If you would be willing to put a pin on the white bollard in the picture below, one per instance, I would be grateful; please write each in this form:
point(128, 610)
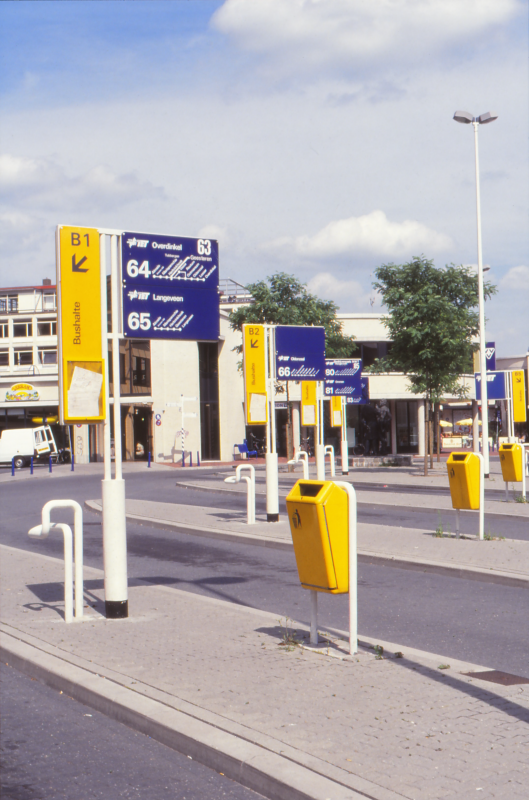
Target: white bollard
point(329, 450)
point(302, 456)
point(250, 483)
point(272, 487)
point(42, 531)
point(115, 549)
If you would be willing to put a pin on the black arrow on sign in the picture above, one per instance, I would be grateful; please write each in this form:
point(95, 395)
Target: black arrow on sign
point(77, 267)
point(254, 344)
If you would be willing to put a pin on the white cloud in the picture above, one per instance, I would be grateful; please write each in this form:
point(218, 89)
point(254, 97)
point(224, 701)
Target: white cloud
point(347, 294)
point(215, 232)
point(371, 233)
point(311, 34)
point(516, 278)
point(42, 182)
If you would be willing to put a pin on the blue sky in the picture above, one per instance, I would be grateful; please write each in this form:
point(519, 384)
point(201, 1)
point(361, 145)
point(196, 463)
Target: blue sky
point(310, 136)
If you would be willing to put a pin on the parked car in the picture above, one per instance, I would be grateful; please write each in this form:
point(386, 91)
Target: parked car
point(21, 444)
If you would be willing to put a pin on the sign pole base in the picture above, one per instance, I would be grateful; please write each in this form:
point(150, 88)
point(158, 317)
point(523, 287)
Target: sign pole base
point(115, 549)
point(272, 488)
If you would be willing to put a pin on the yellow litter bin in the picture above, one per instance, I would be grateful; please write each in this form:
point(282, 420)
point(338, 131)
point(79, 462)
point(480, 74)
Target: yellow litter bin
point(318, 517)
point(463, 477)
point(511, 460)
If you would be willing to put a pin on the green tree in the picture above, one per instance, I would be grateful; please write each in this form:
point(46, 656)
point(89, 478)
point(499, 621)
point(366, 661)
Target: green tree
point(282, 299)
point(432, 324)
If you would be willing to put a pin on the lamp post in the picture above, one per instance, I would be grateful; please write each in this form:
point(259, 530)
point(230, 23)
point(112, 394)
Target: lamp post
point(466, 118)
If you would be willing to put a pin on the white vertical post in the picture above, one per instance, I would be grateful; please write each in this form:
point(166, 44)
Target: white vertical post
point(319, 449)
point(481, 496)
point(104, 346)
point(114, 520)
point(353, 566)
point(481, 298)
point(525, 453)
point(344, 445)
point(313, 617)
point(457, 523)
point(271, 462)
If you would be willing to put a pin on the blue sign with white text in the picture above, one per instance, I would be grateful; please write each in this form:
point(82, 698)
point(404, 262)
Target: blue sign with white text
point(300, 353)
point(169, 287)
point(496, 386)
point(343, 378)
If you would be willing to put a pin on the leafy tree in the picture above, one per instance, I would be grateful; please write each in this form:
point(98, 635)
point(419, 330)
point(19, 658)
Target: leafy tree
point(282, 299)
point(433, 323)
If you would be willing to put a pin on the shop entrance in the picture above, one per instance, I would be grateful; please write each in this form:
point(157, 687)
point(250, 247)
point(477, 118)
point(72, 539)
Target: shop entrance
point(142, 432)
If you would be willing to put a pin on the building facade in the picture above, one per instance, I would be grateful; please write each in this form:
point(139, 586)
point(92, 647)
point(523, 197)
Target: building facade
point(187, 397)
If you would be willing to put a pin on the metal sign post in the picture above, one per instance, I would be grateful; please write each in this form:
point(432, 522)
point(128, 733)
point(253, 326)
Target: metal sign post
point(271, 459)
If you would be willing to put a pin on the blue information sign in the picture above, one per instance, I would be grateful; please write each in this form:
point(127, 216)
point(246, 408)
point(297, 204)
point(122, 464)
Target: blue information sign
point(490, 355)
point(300, 353)
point(343, 378)
point(170, 287)
point(496, 386)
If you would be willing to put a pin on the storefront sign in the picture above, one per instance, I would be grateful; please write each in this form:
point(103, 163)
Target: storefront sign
point(300, 353)
point(21, 393)
point(79, 315)
point(170, 287)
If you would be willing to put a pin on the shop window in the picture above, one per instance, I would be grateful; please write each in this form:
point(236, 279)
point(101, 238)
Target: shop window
point(4, 329)
point(47, 357)
point(4, 358)
point(22, 329)
point(46, 328)
point(141, 371)
point(23, 357)
point(208, 370)
point(407, 426)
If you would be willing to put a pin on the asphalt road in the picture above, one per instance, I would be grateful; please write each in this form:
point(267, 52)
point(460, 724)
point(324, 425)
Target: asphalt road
point(54, 748)
point(483, 623)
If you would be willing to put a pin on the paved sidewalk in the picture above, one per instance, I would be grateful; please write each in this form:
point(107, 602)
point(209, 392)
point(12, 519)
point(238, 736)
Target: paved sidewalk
point(208, 678)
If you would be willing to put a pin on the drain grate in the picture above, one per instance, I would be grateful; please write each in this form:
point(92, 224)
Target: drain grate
point(495, 676)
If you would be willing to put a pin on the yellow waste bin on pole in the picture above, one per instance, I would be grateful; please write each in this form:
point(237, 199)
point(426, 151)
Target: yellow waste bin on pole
point(467, 485)
point(322, 517)
point(511, 460)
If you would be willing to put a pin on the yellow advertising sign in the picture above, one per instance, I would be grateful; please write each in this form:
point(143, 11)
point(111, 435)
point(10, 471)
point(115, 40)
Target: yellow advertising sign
point(309, 403)
point(254, 361)
point(336, 412)
point(81, 366)
point(519, 407)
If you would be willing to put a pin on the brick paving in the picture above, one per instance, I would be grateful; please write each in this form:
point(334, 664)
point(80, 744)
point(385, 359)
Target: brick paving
point(403, 724)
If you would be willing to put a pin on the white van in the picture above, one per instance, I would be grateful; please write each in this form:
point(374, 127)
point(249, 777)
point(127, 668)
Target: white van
point(22, 443)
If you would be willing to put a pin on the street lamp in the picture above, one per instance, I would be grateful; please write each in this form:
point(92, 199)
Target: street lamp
point(466, 118)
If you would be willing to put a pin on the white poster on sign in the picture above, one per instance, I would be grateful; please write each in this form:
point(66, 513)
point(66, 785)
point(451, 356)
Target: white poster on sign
point(309, 415)
point(83, 394)
point(257, 408)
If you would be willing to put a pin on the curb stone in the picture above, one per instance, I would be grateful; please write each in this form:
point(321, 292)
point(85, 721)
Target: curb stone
point(364, 557)
point(275, 776)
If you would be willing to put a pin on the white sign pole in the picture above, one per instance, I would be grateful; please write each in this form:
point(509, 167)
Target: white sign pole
point(271, 461)
point(319, 449)
point(114, 520)
point(344, 443)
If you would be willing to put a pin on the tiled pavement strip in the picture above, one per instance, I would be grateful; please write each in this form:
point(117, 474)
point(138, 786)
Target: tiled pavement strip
point(388, 728)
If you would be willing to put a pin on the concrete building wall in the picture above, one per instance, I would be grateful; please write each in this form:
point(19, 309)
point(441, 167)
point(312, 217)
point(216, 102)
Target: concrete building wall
point(174, 371)
point(364, 327)
point(231, 390)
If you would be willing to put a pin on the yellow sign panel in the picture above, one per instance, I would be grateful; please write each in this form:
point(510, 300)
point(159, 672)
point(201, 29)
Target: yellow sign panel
point(336, 412)
point(518, 396)
point(309, 403)
point(81, 366)
point(254, 361)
